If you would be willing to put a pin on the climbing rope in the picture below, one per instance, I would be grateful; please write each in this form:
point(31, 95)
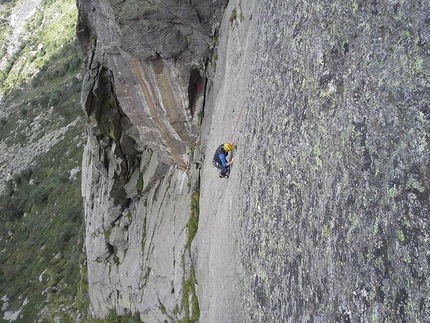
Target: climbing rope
point(237, 122)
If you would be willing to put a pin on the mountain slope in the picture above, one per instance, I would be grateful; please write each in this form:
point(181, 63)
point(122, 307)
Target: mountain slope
point(41, 140)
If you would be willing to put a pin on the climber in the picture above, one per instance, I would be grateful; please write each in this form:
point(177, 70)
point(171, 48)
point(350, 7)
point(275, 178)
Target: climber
point(220, 160)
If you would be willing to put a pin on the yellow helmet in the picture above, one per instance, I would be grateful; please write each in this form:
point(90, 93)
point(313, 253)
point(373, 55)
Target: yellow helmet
point(227, 146)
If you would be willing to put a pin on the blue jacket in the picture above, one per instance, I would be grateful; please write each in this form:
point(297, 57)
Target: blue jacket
point(220, 156)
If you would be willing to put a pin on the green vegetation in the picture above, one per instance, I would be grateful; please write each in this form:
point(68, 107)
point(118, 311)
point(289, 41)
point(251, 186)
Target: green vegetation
point(42, 217)
point(113, 317)
point(107, 234)
point(154, 198)
point(325, 231)
point(5, 12)
point(401, 235)
point(45, 33)
point(193, 222)
point(43, 267)
point(233, 16)
point(236, 14)
point(144, 234)
point(139, 185)
point(354, 8)
point(317, 154)
point(190, 301)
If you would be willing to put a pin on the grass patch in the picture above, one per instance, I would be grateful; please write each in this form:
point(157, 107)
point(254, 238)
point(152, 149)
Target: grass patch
point(139, 184)
point(113, 317)
point(236, 14)
point(144, 234)
point(190, 301)
point(107, 234)
point(233, 16)
point(193, 222)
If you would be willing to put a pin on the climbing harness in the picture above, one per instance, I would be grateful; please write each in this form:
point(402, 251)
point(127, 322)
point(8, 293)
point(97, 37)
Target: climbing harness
point(216, 165)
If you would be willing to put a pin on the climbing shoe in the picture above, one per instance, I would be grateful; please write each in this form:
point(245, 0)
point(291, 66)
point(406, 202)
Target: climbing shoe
point(223, 176)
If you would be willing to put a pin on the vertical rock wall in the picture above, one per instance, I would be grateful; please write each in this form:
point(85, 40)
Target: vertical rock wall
point(331, 180)
point(143, 94)
point(327, 202)
point(325, 214)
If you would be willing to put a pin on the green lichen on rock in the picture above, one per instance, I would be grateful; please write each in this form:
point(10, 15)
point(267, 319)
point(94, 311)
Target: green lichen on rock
point(139, 184)
point(351, 97)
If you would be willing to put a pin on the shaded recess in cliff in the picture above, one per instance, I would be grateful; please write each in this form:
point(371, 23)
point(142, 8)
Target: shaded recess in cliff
point(196, 89)
point(109, 125)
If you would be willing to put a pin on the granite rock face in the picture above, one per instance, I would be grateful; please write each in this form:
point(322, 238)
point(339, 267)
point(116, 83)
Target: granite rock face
point(325, 214)
point(328, 202)
point(143, 95)
point(154, 55)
